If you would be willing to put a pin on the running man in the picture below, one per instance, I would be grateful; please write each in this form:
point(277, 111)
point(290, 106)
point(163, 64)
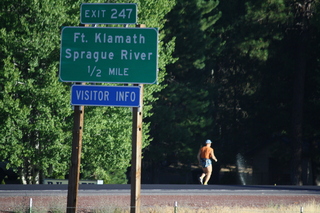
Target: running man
point(205, 154)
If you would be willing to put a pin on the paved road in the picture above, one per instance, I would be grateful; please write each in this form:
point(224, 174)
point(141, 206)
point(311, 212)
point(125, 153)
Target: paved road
point(159, 189)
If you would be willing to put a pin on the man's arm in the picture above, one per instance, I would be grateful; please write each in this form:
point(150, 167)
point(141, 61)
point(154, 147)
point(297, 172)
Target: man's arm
point(213, 156)
point(198, 156)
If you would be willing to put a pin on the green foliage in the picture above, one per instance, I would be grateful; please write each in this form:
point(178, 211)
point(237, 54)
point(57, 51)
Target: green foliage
point(34, 106)
point(226, 72)
point(107, 131)
point(106, 143)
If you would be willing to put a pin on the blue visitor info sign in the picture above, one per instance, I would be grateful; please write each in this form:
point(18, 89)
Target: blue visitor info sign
point(98, 95)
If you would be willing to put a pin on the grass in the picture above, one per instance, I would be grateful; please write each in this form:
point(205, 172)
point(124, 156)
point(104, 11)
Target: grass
point(55, 207)
point(310, 207)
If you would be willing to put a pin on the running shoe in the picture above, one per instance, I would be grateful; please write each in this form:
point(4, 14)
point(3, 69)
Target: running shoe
point(201, 180)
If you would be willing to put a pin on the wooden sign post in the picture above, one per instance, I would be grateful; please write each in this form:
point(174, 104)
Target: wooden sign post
point(74, 174)
point(78, 39)
point(136, 156)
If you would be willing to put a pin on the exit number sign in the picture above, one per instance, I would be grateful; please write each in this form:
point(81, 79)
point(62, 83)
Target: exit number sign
point(108, 13)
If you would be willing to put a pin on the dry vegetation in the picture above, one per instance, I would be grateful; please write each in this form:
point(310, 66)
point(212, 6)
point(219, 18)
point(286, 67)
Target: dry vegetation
point(57, 207)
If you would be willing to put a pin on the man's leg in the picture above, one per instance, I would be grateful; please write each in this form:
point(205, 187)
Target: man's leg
point(208, 174)
point(204, 169)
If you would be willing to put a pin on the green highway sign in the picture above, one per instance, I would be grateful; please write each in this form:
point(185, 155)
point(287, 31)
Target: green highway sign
point(108, 13)
point(109, 55)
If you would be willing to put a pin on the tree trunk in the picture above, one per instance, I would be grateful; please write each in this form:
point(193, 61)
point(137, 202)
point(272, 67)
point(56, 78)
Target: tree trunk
point(297, 111)
point(304, 13)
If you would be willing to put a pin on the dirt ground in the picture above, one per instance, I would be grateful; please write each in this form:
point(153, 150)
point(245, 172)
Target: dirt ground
point(89, 203)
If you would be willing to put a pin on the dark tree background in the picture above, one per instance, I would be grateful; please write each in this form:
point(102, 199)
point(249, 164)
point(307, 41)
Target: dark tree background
point(243, 73)
point(246, 77)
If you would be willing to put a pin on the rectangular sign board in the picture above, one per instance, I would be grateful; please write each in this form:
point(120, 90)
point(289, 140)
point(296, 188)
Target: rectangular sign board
point(62, 181)
point(109, 55)
point(108, 13)
point(94, 95)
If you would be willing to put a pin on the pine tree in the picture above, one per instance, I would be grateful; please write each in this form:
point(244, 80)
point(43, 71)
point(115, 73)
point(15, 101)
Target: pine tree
point(34, 105)
point(265, 50)
point(180, 120)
